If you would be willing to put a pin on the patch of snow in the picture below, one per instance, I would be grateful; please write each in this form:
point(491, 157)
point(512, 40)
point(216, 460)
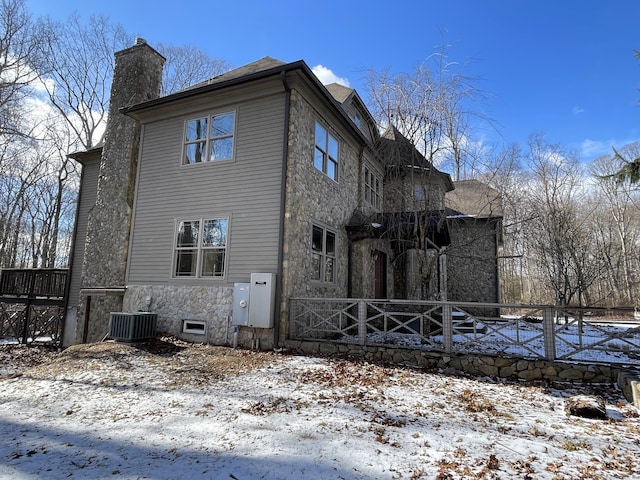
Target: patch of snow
point(134, 416)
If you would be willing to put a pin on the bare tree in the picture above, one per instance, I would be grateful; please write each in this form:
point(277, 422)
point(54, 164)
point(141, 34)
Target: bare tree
point(436, 107)
point(186, 66)
point(560, 233)
point(619, 201)
point(20, 38)
point(433, 110)
point(78, 71)
point(504, 171)
point(20, 176)
point(80, 66)
point(413, 188)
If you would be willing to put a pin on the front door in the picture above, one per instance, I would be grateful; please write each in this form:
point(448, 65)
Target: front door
point(380, 274)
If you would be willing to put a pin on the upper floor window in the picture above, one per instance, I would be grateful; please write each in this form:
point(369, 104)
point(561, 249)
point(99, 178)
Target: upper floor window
point(323, 254)
point(357, 120)
point(209, 139)
point(326, 153)
point(372, 188)
point(419, 192)
point(200, 248)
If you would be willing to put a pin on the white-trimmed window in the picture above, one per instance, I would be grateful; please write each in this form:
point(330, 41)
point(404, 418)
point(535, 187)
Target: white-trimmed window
point(326, 152)
point(200, 248)
point(209, 139)
point(323, 254)
point(372, 188)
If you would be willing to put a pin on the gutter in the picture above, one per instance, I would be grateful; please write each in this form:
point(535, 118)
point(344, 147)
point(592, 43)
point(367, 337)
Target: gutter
point(281, 70)
point(216, 85)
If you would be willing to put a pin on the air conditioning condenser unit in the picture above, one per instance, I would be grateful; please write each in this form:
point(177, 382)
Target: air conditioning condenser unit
point(132, 327)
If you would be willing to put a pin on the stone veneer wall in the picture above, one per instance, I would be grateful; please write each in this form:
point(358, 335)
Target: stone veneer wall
point(175, 303)
point(137, 77)
point(399, 194)
point(511, 368)
point(312, 196)
point(363, 266)
point(472, 273)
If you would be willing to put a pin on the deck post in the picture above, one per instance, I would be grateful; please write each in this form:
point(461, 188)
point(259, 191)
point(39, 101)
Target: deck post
point(362, 322)
point(549, 334)
point(447, 328)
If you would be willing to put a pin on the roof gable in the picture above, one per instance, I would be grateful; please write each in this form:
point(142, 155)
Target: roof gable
point(340, 92)
point(398, 152)
point(474, 199)
point(265, 63)
point(355, 109)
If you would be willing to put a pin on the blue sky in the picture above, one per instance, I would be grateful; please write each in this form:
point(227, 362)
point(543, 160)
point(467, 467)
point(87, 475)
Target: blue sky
point(565, 68)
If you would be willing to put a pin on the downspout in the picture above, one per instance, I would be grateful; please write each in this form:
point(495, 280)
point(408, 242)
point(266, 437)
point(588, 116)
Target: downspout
point(349, 267)
point(496, 236)
point(283, 201)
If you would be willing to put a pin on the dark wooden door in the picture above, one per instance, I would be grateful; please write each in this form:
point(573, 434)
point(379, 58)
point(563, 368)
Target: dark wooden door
point(380, 274)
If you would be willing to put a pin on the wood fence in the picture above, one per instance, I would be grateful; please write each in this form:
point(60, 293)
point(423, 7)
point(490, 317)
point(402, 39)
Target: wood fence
point(542, 332)
point(32, 305)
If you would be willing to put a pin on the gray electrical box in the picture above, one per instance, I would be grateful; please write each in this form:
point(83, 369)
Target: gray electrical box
point(240, 310)
point(262, 299)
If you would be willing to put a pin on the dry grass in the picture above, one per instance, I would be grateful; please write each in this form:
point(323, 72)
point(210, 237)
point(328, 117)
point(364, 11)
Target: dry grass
point(197, 364)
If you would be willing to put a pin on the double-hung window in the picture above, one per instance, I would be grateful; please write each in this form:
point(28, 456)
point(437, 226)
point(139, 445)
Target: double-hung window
point(372, 188)
point(200, 248)
point(209, 139)
point(326, 152)
point(323, 254)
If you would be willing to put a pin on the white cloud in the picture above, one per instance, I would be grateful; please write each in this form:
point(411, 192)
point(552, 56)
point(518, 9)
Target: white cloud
point(326, 76)
point(577, 110)
point(593, 148)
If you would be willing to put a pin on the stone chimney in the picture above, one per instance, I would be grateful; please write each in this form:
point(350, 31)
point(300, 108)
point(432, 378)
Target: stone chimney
point(137, 77)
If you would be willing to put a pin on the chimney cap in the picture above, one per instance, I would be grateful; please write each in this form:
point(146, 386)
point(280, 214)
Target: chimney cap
point(140, 41)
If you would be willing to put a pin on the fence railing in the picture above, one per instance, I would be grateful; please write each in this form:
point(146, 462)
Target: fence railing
point(32, 304)
point(33, 283)
point(527, 331)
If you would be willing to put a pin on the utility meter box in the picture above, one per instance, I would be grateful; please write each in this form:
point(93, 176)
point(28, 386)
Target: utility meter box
point(240, 309)
point(262, 299)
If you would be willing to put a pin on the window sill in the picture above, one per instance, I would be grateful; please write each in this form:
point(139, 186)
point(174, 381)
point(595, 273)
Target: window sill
point(210, 162)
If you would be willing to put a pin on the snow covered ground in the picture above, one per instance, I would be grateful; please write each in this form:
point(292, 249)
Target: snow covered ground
point(178, 411)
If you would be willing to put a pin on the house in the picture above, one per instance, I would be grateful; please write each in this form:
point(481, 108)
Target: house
point(261, 170)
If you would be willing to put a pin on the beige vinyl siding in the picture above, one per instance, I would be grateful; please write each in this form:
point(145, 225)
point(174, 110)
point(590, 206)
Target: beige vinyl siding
point(86, 200)
point(246, 190)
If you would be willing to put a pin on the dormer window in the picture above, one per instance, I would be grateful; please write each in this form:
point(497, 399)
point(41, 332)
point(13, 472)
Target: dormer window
point(357, 120)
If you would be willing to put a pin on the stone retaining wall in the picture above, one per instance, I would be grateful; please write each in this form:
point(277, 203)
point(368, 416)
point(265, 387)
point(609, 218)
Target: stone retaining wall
point(510, 368)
